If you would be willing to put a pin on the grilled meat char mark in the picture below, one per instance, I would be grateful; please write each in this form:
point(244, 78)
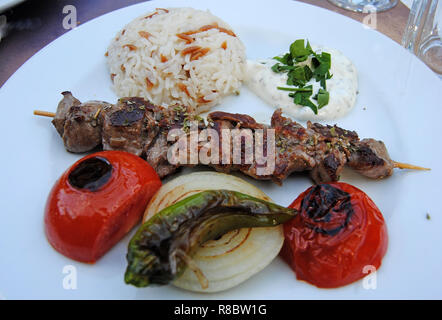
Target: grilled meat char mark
point(137, 126)
point(240, 120)
point(123, 125)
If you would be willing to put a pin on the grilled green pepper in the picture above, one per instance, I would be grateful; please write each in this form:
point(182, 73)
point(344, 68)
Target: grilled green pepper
point(162, 248)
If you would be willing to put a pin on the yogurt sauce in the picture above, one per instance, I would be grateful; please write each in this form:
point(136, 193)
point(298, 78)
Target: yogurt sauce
point(343, 87)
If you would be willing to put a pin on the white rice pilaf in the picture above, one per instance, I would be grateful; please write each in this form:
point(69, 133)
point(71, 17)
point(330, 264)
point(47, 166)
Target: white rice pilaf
point(177, 56)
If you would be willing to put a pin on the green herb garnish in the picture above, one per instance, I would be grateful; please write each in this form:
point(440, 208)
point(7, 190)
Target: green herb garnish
point(299, 75)
point(322, 97)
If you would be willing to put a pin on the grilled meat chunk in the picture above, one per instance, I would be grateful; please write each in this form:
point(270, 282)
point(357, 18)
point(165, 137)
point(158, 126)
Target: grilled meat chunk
point(157, 146)
point(157, 156)
point(329, 168)
point(232, 159)
point(82, 128)
point(123, 126)
point(63, 107)
point(295, 146)
point(371, 159)
point(332, 144)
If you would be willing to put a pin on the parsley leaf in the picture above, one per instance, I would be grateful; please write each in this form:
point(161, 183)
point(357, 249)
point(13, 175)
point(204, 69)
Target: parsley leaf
point(322, 97)
point(286, 59)
point(300, 52)
point(281, 68)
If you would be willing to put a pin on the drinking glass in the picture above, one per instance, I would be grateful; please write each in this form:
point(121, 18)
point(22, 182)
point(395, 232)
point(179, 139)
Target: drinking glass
point(365, 5)
point(423, 33)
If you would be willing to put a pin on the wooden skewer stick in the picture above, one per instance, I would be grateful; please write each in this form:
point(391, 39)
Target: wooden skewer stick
point(400, 165)
point(44, 113)
point(97, 113)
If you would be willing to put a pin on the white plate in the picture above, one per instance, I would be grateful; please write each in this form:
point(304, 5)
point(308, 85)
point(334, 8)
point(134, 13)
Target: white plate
point(398, 103)
point(408, 3)
point(6, 4)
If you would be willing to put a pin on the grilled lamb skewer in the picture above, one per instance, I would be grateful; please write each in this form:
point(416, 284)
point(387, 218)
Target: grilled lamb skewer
point(321, 150)
point(137, 126)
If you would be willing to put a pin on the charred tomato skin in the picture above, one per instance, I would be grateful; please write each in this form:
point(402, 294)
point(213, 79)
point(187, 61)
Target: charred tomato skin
point(356, 240)
point(84, 223)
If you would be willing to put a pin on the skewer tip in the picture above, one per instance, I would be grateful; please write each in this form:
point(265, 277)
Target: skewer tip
point(44, 113)
point(401, 165)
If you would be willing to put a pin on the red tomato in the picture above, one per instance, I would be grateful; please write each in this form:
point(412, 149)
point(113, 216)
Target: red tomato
point(338, 232)
point(96, 202)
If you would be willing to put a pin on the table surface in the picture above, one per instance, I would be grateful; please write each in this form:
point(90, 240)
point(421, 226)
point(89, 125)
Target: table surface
point(35, 23)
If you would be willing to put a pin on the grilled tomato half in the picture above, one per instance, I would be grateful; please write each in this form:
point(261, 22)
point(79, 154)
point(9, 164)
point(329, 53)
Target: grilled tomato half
point(96, 202)
point(338, 237)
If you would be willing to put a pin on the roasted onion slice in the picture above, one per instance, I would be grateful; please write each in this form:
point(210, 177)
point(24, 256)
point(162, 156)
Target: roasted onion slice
point(236, 255)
